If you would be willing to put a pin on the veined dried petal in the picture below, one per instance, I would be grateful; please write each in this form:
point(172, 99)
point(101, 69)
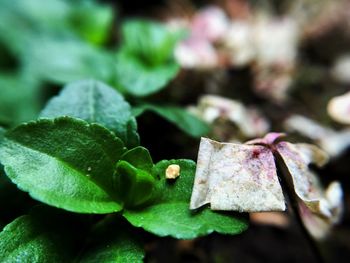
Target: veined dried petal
point(325, 206)
point(236, 177)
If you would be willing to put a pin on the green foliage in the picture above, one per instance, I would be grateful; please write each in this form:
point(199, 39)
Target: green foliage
point(134, 185)
point(169, 214)
point(138, 79)
point(48, 235)
point(64, 162)
point(140, 158)
point(82, 154)
point(95, 102)
point(2, 132)
point(145, 61)
point(92, 21)
point(19, 100)
point(42, 236)
point(32, 18)
point(75, 158)
point(183, 119)
point(113, 242)
point(65, 60)
point(56, 40)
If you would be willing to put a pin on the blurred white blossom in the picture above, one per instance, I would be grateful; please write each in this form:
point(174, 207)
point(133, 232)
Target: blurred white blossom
point(248, 120)
point(333, 142)
point(339, 108)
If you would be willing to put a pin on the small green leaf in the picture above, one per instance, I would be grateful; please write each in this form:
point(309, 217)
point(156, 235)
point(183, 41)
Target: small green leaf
point(183, 119)
point(140, 158)
point(39, 237)
point(170, 215)
point(95, 102)
point(149, 41)
point(92, 21)
point(136, 78)
point(64, 162)
point(113, 242)
point(145, 62)
point(135, 186)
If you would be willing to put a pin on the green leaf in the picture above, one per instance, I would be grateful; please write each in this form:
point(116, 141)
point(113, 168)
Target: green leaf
point(135, 186)
point(92, 21)
point(145, 62)
point(30, 18)
point(64, 162)
point(95, 102)
point(140, 158)
point(138, 79)
point(62, 60)
point(183, 119)
point(149, 41)
point(86, 20)
point(2, 132)
point(113, 242)
point(19, 99)
point(39, 237)
point(170, 215)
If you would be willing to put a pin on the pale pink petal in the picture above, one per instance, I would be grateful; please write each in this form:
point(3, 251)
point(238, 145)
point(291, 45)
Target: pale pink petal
point(196, 53)
point(268, 140)
point(210, 23)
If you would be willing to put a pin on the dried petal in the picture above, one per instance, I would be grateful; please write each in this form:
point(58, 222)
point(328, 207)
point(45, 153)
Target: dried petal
point(297, 157)
point(172, 171)
point(236, 177)
point(332, 205)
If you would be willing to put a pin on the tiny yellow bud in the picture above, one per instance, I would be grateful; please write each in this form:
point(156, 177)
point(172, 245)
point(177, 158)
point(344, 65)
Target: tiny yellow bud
point(172, 172)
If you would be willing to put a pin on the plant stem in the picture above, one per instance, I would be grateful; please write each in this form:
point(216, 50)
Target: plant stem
point(287, 188)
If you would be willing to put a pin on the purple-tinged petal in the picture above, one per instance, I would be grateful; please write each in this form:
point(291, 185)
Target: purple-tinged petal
point(320, 209)
point(269, 139)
